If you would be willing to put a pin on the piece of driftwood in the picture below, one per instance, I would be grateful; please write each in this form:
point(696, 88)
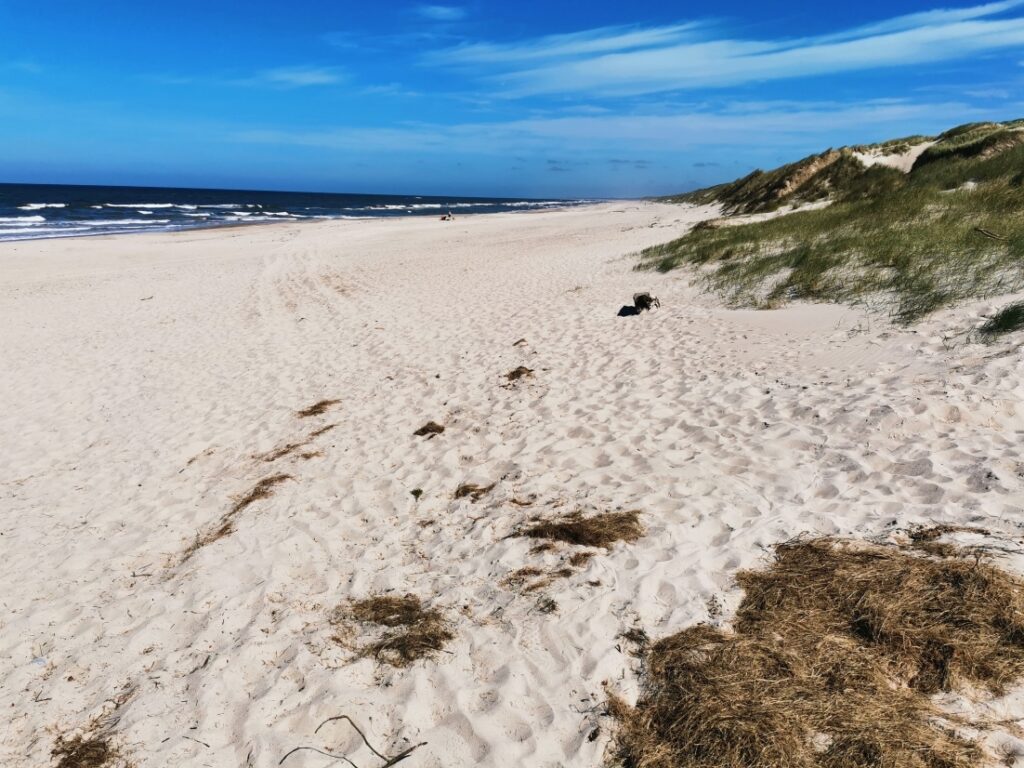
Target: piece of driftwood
point(388, 761)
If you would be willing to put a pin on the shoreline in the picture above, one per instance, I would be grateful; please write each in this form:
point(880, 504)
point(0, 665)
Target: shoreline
point(184, 226)
point(179, 537)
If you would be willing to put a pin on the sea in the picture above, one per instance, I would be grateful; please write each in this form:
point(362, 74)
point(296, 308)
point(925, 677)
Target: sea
point(34, 211)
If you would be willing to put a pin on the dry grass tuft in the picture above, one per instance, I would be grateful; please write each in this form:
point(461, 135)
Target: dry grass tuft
point(516, 579)
point(317, 408)
point(406, 630)
point(94, 751)
point(226, 525)
point(836, 650)
point(598, 531)
point(519, 373)
point(579, 559)
point(429, 430)
point(474, 492)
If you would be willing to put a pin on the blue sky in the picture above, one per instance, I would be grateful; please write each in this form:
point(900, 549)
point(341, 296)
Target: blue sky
point(528, 98)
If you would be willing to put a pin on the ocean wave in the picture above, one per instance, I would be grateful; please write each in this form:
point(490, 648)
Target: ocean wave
point(28, 220)
point(40, 206)
point(26, 233)
point(140, 206)
point(121, 222)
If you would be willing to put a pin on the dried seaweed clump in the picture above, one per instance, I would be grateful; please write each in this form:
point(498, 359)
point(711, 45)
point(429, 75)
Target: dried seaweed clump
point(836, 649)
point(598, 531)
point(473, 491)
point(93, 751)
point(405, 631)
point(429, 430)
point(317, 408)
point(519, 373)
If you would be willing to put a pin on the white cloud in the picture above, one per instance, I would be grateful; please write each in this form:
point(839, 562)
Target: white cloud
point(602, 40)
point(776, 124)
point(441, 12)
point(300, 76)
point(624, 62)
point(926, 19)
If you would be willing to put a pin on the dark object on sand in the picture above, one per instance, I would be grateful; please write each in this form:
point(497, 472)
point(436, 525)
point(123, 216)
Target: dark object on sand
point(473, 491)
point(642, 302)
point(429, 429)
point(519, 373)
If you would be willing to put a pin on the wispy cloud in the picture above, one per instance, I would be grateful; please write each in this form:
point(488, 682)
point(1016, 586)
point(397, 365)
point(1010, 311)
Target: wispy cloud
point(441, 12)
point(777, 124)
point(594, 41)
point(300, 76)
point(625, 62)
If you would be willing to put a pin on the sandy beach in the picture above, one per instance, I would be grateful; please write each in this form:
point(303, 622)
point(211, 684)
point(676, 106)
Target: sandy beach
point(151, 382)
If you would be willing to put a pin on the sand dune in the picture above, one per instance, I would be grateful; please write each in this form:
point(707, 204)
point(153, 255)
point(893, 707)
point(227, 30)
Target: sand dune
point(151, 383)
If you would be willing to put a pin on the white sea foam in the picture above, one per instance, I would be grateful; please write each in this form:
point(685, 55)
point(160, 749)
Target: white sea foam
point(26, 233)
point(40, 206)
point(122, 222)
point(140, 206)
point(26, 220)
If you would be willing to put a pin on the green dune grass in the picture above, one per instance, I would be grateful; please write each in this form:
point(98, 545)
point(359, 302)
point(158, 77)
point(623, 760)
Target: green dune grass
point(951, 230)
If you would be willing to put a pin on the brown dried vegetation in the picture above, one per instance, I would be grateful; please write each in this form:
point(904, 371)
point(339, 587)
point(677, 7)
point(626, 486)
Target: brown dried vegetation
point(519, 373)
point(602, 530)
point(406, 631)
point(837, 647)
point(317, 408)
point(474, 492)
point(226, 525)
point(93, 751)
point(429, 430)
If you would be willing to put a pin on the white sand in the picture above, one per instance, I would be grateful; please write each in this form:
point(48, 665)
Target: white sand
point(901, 161)
point(143, 374)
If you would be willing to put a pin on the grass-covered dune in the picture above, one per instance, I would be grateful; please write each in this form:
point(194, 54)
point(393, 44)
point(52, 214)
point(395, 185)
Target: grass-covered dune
point(950, 229)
